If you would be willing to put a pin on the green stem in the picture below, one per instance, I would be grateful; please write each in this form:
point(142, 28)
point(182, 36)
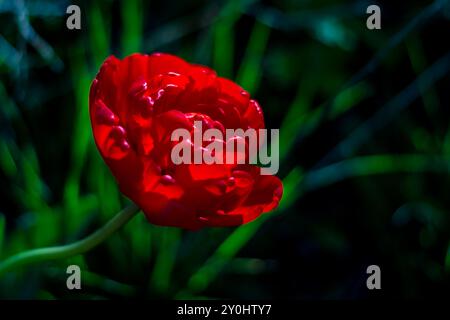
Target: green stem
point(72, 249)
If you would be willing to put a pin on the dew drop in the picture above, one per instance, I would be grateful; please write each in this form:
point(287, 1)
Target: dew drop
point(138, 88)
point(245, 93)
point(167, 179)
point(116, 145)
point(159, 94)
point(118, 132)
point(104, 115)
point(124, 145)
point(146, 106)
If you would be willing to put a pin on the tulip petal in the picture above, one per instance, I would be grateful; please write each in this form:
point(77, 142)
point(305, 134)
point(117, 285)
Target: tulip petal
point(135, 105)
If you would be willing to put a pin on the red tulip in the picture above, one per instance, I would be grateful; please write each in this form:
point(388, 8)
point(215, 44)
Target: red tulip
point(137, 102)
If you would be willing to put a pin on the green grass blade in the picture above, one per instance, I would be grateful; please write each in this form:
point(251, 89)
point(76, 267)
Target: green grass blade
point(374, 165)
point(249, 74)
point(81, 140)
point(132, 25)
point(99, 33)
point(237, 239)
point(167, 247)
point(224, 48)
point(418, 62)
point(7, 163)
point(223, 28)
point(363, 166)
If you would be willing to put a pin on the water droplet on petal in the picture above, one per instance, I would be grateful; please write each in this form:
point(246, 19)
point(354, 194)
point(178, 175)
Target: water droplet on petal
point(171, 85)
point(104, 115)
point(118, 132)
point(159, 94)
point(146, 106)
point(167, 179)
point(124, 145)
point(138, 88)
point(116, 146)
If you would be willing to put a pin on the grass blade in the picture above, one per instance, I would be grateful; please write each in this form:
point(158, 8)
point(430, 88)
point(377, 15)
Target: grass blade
point(250, 72)
point(132, 22)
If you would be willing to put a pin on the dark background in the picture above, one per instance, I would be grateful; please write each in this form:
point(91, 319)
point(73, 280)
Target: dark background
point(365, 146)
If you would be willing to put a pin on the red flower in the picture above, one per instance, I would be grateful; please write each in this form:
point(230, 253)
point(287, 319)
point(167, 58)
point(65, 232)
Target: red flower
point(137, 102)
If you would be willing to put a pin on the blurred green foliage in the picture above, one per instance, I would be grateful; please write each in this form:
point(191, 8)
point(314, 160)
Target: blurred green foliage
point(365, 147)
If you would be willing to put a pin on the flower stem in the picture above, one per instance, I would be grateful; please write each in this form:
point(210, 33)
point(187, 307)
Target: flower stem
point(72, 249)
